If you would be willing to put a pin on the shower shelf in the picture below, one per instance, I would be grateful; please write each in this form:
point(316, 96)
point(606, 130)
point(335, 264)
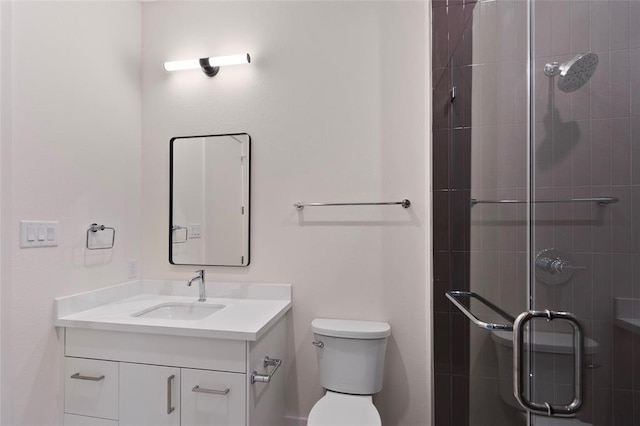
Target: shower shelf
point(452, 296)
point(602, 201)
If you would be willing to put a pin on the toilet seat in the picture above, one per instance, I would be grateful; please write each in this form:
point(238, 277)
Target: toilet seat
point(339, 409)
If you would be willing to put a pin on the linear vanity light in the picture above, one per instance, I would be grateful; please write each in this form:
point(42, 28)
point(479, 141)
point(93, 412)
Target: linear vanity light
point(210, 66)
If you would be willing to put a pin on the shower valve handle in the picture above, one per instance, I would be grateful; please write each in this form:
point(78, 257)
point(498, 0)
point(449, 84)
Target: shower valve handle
point(556, 266)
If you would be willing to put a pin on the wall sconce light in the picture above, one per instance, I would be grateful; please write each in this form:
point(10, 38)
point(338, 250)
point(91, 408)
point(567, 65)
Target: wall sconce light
point(210, 66)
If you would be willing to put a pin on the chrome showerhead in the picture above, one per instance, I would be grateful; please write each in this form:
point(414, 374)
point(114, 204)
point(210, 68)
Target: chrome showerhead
point(574, 73)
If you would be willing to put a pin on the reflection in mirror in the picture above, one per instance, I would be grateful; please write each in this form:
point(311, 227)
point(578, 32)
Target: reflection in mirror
point(209, 200)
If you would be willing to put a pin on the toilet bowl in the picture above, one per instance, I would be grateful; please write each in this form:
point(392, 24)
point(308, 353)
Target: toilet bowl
point(553, 364)
point(339, 409)
point(351, 362)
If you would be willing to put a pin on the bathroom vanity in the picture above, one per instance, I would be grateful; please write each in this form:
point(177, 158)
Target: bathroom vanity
point(147, 353)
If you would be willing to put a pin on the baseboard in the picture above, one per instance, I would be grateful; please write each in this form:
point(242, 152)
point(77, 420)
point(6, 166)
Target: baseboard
point(294, 421)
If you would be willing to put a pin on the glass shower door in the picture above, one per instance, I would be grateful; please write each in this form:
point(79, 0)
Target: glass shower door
point(537, 209)
point(584, 213)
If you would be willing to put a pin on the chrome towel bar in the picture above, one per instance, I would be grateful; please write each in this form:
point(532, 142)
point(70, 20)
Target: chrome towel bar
point(451, 295)
point(600, 200)
point(266, 378)
point(404, 203)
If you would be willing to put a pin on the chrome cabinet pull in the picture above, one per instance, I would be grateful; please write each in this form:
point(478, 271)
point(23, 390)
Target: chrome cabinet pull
point(91, 378)
point(197, 388)
point(546, 408)
point(266, 378)
point(169, 398)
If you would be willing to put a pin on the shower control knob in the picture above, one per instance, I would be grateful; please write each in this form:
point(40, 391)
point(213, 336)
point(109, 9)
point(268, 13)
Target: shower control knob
point(554, 266)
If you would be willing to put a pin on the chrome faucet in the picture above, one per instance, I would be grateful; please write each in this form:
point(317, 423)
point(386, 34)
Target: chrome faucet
point(202, 296)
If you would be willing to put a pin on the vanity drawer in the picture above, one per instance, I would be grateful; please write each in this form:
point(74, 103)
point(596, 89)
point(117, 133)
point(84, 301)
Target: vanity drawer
point(91, 388)
point(145, 348)
point(212, 398)
point(73, 420)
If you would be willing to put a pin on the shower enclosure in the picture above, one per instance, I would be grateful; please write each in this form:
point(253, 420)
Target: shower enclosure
point(536, 195)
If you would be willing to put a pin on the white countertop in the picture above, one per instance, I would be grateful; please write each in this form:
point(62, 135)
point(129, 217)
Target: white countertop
point(249, 309)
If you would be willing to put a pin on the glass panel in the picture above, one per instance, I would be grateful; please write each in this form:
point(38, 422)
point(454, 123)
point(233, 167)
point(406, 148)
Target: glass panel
point(480, 152)
point(580, 138)
point(586, 74)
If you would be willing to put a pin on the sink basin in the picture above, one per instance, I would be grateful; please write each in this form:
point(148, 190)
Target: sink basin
point(179, 311)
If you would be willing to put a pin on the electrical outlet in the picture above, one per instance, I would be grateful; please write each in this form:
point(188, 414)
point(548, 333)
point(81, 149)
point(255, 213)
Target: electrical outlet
point(194, 230)
point(132, 269)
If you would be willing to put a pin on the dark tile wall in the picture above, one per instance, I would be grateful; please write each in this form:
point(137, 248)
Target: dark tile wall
point(587, 144)
point(451, 184)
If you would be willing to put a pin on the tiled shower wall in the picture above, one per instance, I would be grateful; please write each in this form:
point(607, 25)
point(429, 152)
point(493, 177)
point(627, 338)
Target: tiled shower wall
point(587, 144)
point(451, 179)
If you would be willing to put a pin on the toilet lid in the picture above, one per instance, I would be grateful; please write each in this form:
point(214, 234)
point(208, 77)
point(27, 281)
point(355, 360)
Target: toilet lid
point(337, 409)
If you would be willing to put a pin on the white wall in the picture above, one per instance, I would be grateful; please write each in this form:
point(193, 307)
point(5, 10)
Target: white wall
point(334, 101)
point(5, 187)
point(74, 151)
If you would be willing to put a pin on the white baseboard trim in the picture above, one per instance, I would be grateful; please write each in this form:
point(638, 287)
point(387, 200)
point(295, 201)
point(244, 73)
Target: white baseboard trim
point(295, 421)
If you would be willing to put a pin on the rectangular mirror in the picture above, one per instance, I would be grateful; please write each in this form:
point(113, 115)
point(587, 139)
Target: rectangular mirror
point(209, 200)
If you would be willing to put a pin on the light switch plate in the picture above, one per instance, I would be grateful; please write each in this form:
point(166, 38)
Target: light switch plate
point(38, 233)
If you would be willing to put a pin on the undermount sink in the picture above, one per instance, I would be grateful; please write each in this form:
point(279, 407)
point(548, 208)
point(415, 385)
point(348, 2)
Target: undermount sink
point(179, 311)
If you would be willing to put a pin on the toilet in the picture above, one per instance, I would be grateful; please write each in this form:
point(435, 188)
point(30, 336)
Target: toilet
point(554, 365)
point(351, 363)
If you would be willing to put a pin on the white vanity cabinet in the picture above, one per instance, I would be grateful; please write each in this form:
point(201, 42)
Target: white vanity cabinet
point(91, 390)
point(131, 378)
point(212, 397)
point(149, 395)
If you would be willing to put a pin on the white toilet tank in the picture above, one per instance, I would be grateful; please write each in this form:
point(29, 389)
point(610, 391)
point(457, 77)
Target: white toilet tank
point(351, 354)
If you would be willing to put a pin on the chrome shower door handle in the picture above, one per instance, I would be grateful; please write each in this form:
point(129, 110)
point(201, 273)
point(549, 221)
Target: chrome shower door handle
point(547, 408)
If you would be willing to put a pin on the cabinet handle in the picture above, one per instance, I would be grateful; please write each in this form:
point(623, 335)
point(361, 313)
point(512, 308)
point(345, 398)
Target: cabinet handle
point(197, 388)
point(91, 378)
point(169, 398)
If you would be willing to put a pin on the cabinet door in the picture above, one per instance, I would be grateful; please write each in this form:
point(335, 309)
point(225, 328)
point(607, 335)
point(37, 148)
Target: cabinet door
point(149, 395)
point(73, 420)
point(213, 398)
point(91, 388)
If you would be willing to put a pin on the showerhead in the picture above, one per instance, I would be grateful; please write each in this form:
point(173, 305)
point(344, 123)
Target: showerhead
point(574, 73)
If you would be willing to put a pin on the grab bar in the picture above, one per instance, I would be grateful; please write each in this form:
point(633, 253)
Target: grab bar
point(404, 203)
point(451, 295)
point(602, 201)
